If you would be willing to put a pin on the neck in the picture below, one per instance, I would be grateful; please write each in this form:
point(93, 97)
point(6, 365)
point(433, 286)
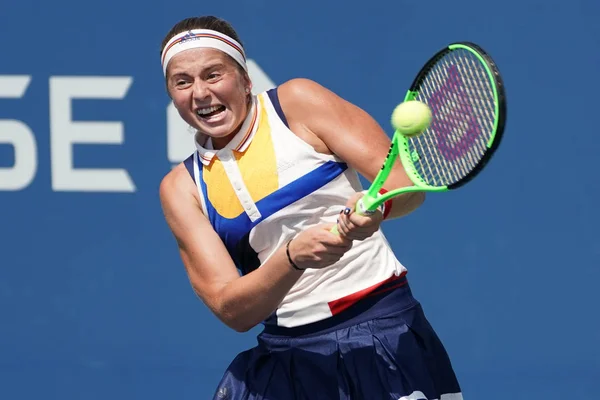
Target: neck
point(219, 143)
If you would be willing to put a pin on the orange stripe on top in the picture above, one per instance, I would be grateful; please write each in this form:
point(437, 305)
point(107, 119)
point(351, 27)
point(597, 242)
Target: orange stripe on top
point(249, 132)
point(244, 139)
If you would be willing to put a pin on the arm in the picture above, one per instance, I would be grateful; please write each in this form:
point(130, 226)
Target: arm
point(240, 302)
point(322, 118)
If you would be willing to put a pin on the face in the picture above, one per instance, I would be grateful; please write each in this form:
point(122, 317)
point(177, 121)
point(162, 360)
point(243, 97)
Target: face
point(209, 91)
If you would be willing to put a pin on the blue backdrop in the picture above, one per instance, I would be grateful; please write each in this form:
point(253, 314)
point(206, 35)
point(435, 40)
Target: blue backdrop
point(94, 301)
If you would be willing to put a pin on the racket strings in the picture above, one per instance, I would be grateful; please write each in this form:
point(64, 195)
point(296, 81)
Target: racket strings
point(454, 121)
point(461, 97)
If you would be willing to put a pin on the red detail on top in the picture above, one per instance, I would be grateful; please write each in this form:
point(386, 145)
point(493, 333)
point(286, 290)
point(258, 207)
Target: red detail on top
point(341, 304)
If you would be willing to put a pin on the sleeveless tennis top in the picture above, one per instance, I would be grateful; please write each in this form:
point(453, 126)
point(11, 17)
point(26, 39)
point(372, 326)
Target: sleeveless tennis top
point(268, 185)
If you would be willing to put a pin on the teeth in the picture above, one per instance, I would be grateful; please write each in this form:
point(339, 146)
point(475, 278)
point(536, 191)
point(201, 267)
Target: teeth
point(207, 110)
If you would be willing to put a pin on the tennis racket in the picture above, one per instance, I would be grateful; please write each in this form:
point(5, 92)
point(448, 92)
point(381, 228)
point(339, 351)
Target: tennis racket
point(463, 88)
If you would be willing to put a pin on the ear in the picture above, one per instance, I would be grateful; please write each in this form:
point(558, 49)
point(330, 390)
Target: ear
point(247, 83)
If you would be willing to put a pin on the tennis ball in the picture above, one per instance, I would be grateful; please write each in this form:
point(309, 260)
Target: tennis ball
point(411, 118)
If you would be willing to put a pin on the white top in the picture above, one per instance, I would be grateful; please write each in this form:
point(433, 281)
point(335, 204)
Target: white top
point(266, 186)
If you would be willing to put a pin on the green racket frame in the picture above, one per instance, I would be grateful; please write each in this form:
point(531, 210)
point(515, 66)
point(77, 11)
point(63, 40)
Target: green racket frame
point(400, 143)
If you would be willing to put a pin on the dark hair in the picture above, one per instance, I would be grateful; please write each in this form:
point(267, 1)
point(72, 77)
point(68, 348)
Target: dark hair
point(205, 22)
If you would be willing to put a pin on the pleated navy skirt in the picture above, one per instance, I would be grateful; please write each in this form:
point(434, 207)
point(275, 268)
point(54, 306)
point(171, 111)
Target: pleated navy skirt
point(383, 347)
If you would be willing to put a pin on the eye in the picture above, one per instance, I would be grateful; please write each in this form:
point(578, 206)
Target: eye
point(213, 76)
point(181, 83)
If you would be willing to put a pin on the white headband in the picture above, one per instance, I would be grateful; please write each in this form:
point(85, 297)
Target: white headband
point(197, 38)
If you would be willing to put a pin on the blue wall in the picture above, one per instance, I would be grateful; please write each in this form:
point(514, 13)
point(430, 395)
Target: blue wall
point(94, 302)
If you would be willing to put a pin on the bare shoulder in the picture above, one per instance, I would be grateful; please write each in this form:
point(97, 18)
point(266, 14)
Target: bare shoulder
point(301, 93)
point(306, 100)
point(298, 85)
point(177, 186)
point(308, 107)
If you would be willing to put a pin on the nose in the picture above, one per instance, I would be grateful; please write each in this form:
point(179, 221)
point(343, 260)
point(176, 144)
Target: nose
point(200, 90)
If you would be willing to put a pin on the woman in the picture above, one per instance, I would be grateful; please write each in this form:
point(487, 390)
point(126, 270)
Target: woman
point(252, 211)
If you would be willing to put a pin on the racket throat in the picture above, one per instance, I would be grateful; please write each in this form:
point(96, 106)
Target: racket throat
point(362, 208)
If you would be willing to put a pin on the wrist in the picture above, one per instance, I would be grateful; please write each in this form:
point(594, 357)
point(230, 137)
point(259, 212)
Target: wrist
point(289, 257)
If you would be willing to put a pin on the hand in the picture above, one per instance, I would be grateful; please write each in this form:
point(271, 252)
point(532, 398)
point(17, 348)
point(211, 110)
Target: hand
point(317, 247)
point(354, 226)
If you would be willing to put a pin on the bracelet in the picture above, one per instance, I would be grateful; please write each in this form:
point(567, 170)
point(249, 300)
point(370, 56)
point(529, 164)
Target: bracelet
point(287, 252)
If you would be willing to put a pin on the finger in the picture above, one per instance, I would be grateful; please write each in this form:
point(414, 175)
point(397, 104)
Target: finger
point(351, 203)
point(341, 223)
point(353, 219)
point(352, 230)
point(346, 228)
point(337, 252)
point(366, 219)
point(339, 241)
point(358, 221)
point(329, 257)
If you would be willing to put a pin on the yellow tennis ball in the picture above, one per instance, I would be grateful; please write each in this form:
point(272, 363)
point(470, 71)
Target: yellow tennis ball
point(411, 118)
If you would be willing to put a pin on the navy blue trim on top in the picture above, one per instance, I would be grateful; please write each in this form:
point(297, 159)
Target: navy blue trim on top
point(189, 165)
point(274, 97)
point(248, 257)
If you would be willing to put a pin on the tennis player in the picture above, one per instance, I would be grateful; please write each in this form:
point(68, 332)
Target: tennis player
point(251, 211)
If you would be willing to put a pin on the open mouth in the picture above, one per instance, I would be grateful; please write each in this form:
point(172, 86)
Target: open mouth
point(209, 112)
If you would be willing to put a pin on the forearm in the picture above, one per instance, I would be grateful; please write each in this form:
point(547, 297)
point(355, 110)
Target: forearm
point(405, 204)
point(250, 299)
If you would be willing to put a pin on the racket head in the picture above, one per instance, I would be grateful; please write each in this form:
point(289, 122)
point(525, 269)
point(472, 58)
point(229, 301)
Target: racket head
point(463, 87)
